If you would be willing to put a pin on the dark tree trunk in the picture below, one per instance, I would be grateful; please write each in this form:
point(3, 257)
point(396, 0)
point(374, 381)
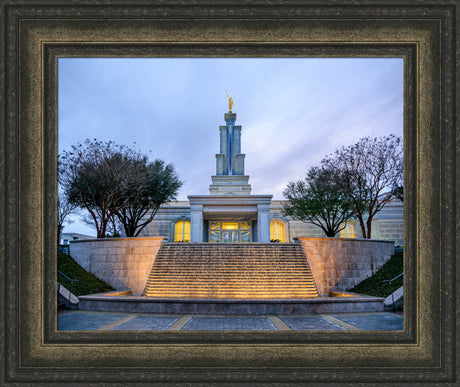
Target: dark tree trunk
point(363, 226)
point(59, 231)
point(369, 227)
point(130, 228)
point(330, 233)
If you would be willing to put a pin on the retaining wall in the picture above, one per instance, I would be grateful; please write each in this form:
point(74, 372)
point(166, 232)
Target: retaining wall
point(342, 263)
point(124, 263)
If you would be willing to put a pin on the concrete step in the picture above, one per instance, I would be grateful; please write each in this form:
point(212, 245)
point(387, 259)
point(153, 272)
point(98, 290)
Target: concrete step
point(248, 290)
point(174, 285)
point(226, 272)
point(245, 295)
point(253, 270)
point(236, 282)
point(275, 293)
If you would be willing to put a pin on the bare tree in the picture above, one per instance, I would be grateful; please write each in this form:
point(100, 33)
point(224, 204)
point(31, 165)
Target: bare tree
point(368, 173)
point(115, 182)
point(114, 228)
point(318, 200)
point(64, 210)
point(95, 176)
point(151, 185)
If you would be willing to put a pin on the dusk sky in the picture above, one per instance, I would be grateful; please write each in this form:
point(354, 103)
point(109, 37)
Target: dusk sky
point(293, 112)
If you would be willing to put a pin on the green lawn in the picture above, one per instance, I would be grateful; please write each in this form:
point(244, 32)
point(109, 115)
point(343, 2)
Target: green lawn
point(87, 283)
point(374, 286)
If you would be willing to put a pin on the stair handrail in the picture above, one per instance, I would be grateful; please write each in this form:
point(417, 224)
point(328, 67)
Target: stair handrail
point(395, 278)
point(392, 293)
point(72, 280)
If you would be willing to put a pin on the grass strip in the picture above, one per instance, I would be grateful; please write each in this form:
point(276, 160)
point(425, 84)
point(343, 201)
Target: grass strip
point(374, 286)
point(87, 282)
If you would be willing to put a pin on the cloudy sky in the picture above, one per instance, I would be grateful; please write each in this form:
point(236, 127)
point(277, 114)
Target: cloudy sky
point(293, 112)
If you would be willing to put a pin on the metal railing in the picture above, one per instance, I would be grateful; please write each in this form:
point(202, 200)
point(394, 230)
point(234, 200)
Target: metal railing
point(390, 281)
point(72, 280)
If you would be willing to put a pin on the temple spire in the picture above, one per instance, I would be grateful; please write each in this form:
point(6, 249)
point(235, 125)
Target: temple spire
point(230, 178)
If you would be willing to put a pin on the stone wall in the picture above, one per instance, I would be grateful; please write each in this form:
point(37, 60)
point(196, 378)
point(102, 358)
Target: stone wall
point(388, 224)
point(341, 263)
point(164, 221)
point(124, 263)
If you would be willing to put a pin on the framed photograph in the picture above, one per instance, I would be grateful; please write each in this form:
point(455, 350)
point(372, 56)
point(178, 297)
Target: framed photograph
point(224, 257)
point(40, 35)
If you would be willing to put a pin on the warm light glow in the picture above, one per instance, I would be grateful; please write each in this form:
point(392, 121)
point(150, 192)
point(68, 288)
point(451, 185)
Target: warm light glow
point(349, 231)
point(247, 272)
point(277, 230)
point(214, 225)
point(341, 294)
point(230, 226)
point(237, 232)
point(245, 226)
point(182, 231)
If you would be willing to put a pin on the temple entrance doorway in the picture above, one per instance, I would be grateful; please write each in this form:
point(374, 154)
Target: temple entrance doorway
point(230, 236)
point(229, 232)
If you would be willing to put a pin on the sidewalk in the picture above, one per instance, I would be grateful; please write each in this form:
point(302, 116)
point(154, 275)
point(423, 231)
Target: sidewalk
point(111, 321)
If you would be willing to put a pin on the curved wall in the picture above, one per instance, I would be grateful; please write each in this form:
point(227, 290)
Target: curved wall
point(337, 264)
point(124, 263)
point(342, 263)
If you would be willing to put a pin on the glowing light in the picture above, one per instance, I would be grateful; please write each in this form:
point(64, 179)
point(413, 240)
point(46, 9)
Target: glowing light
point(182, 231)
point(277, 231)
point(349, 231)
point(230, 226)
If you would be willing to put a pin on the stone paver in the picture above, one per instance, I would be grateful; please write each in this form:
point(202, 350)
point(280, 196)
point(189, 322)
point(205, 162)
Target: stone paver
point(373, 322)
point(147, 323)
point(341, 323)
point(229, 324)
point(86, 320)
point(310, 323)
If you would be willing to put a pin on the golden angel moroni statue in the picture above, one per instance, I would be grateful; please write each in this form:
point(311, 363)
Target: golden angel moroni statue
point(230, 102)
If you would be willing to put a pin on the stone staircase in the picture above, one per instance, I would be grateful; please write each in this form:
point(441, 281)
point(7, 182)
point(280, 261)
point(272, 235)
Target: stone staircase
point(230, 271)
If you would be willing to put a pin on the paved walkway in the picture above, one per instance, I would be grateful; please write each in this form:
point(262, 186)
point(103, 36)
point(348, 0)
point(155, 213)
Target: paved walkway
point(112, 321)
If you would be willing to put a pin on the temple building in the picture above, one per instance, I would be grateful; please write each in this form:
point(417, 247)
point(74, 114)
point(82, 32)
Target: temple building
point(230, 214)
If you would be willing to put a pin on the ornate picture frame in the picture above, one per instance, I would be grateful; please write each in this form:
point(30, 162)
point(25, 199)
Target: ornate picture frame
point(37, 33)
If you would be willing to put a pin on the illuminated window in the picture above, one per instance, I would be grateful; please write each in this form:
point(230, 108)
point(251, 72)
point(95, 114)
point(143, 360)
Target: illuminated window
point(245, 236)
point(214, 225)
point(182, 231)
point(230, 225)
point(214, 236)
point(226, 232)
point(277, 231)
point(349, 231)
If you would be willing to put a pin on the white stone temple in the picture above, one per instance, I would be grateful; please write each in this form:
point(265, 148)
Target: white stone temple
point(230, 214)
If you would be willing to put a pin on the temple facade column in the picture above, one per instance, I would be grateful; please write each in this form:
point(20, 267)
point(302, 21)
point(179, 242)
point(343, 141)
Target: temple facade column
point(263, 223)
point(237, 156)
point(196, 223)
point(222, 157)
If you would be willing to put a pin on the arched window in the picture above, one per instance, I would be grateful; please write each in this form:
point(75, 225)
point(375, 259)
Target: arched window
point(277, 230)
point(182, 231)
point(349, 231)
